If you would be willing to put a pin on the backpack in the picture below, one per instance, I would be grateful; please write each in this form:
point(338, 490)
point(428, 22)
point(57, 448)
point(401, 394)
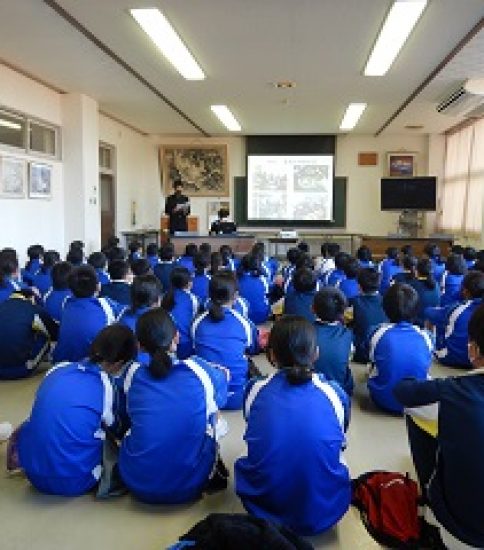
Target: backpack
point(388, 504)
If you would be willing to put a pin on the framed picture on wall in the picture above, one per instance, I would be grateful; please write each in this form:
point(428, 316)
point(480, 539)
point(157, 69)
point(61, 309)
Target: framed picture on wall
point(212, 210)
point(203, 169)
point(402, 164)
point(40, 181)
point(12, 177)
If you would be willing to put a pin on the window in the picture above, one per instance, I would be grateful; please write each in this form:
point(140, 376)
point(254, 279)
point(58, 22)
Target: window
point(42, 139)
point(12, 130)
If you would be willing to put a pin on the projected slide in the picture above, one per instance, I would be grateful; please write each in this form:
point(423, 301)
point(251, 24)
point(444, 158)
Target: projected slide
point(290, 187)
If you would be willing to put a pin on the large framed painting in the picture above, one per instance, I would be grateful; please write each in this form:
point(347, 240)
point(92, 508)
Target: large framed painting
point(402, 165)
point(12, 177)
point(203, 169)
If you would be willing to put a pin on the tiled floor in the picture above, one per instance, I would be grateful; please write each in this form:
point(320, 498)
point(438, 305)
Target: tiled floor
point(29, 520)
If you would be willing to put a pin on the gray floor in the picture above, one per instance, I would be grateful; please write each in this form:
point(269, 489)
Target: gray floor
point(30, 520)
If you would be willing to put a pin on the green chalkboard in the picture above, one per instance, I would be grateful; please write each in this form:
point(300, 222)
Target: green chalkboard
point(240, 208)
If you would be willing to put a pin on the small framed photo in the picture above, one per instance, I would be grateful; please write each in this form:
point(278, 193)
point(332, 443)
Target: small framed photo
point(40, 181)
point(12, 177)
point(402, 165)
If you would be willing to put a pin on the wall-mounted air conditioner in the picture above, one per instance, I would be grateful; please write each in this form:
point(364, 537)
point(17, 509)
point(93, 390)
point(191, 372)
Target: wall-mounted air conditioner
point(463, 101)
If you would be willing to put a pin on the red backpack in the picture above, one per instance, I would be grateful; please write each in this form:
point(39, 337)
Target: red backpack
point(388, 504)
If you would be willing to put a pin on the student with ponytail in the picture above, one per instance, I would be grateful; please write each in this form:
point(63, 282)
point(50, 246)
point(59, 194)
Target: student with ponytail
point(170, 455)
point(201, 277)
point(254, 287)
point(427, 289)
point(293, 473)
point(223, 336)
point(183, 306)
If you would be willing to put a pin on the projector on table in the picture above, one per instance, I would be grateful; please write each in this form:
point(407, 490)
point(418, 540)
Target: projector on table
point(288, 234)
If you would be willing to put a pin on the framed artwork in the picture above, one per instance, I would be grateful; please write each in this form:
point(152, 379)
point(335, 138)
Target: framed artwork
point(402, 164)
point(202, 169)
point(12, 177)
point(368, 159)
point(213, 207)
point(40, 181)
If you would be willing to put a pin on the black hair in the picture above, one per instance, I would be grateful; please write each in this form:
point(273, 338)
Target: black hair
point(8, 264)
point(83, 281)
point(392, 254)
point(167, 251)
point(401, 303)
point(303, 247)
point(259, 249)
point(116, 253)
point(216, 262)
point(455, 264)
point(98, 260)
point(330, 249)
point(51, 257)
point(470, 253)
point(152, 249)
point(409, 263)
point(369, 279)
point(177, 183)
point(113, 344)
point(432, 251)
point(205, 248)
point(304, 260)
point(226, 253)
point(424, 271)
point(76, 244)
point(200, 263)
point(75, 256)
point(113, 241)
point(140, 267)
point(364, 254)
point(118, 269)
point(293, 344)
point(191, 249)
point(60, 275)
point(180, 278)
point(407, 250)
point(474, 284)
point(134, 246)
point(145, 292)
point(351, 268)
point(340, 260)
point(304, 280)
point(457, 249)
point(475, 328)
point(250, 264)
point(329, 304)
point(479, 265)
point(221, 290)
point(34, 252)
point(292, 255)
point(223, 213)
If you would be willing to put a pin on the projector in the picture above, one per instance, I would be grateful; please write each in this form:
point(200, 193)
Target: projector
point(288, 234)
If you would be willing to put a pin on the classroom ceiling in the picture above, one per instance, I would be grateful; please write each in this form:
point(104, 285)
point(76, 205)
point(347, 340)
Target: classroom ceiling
point(243, 46)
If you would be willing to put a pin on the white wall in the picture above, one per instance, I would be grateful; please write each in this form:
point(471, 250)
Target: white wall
point(27, 221)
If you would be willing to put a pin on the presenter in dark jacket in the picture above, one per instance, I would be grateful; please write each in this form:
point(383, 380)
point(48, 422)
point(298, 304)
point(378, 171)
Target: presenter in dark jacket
point(177, 207)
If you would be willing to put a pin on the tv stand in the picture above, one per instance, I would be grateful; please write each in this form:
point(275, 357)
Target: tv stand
point(409, 222)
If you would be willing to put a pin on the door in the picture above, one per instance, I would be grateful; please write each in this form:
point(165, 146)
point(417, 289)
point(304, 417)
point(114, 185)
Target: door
point(107, 207)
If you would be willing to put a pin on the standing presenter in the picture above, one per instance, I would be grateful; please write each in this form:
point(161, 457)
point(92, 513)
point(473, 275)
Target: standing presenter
point(177, 207)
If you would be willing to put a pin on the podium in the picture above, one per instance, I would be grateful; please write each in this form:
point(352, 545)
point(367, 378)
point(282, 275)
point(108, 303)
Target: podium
point(165, 230)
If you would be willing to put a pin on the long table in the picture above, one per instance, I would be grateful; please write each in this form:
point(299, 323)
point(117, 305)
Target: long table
point(240, 243)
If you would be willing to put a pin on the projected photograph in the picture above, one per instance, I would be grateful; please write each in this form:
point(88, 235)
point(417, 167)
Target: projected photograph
point(313, 207)
point(265, 181)
point(269, 207)
point(310, 178)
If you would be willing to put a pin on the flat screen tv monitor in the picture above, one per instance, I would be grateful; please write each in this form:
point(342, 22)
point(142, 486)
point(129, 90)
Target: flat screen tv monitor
point(417, 193)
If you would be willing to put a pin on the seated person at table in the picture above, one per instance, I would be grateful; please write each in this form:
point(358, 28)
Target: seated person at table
point(119, 289)
point(300, 300)
point(60, 446)
point(451, 322)
point(367, 313)
point(56, 297)
point(42, 280)
point(223, 336)
point(334, 339)
point(26, 331)
point(165, 266)
point(455, 270)
point(349, 285)
point(99, 261)
point(398, 349)
point(84, 316)
point(253, 286)
point(449, 462)
point(222, 225)
point(293, 472)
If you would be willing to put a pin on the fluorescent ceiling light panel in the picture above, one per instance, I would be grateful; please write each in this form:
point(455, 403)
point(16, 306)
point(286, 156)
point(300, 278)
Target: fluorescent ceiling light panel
point(8, 124)
point(226, 117)
point(400, 21)
point(352, 115)
point(158, 28)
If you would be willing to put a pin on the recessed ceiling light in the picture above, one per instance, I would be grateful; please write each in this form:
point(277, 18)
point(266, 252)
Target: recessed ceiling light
point(159, 29)
point(284, 84)
point(226, 117)
point(414, 127)
point(352, 115)
point(8, 124)
point(398, 25)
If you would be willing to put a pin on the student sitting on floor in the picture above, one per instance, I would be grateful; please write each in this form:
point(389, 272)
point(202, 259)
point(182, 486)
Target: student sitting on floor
point(141, 267)
point(292, 256)
point(408, 272)
point(300, 300)
point(333, 277)
point(42, 280)
point(303, 261)
point(145, 295)
point(60, 446)
point(293, 473)
point(152, 255)
point(398, 349)
point(363, 255)
point(367, 313)
point(254, 287)
point(35, 254)
point(135, 251)
point(183, 306)
point(227, 257)
point(9, 274)
point(451, 322)
point(269, 265)
point(201, 278)
point(334, 339)
point(75, 255)
point(223, 336)
point(56, 297)
point(455, 270)
point(349, 285)
point(99, 261)
point(119, 289)
point(448, 457)
point(325, 262)
point(170, 454)
point(388, 268)
point(432, 251)
point(427, 289)
point(26, 331)
point(165, 267)
point(470, 256)
point(84, 316)
point(187, 259)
